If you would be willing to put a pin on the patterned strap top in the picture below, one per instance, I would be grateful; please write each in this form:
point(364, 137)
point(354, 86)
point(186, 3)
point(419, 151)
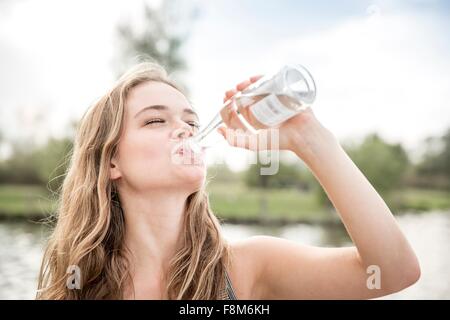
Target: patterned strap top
point(228, 293)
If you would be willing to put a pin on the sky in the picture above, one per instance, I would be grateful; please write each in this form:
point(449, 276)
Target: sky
point(379, 65)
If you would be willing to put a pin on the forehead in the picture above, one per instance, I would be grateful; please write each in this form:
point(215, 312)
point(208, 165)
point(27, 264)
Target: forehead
point(155, 93)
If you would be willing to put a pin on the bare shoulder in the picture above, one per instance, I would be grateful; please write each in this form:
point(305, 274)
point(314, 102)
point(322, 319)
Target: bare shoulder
point(248, 265)
point(267, 267)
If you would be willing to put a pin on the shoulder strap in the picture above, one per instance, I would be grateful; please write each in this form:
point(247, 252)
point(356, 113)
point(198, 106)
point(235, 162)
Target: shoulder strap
point(230, 289)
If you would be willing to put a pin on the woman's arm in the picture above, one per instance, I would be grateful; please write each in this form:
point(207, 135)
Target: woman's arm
point(286, 270)
point(367, 218)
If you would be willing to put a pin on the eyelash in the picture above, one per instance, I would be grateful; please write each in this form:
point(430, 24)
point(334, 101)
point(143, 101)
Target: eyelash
point(192, 124)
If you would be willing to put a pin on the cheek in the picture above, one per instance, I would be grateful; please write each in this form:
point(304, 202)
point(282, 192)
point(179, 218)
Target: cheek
point(142, 154)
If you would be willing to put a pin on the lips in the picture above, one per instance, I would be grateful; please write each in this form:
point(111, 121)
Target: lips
point(187, 155)
point(184, 151)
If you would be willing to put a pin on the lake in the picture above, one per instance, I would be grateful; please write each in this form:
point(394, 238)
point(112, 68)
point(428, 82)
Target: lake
point(429, 234)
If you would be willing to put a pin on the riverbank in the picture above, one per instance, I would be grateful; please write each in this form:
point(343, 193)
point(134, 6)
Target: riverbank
point(429, 234)
point(234, 203)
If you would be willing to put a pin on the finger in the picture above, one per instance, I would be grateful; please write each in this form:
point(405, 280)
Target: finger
point(241, 86)
point(255, 141)
point(231, 118)
point(237, 138)
point(256, 78)
point(244, 84)
point(251, 119)
point(229, 94)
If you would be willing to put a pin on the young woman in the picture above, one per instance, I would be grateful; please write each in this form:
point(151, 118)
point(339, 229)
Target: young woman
point(134, 224)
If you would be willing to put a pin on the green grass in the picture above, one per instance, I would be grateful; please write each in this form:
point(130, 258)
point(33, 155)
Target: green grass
point(233, 201)
point(24, 200)
point(424, 200)
point(239, 202)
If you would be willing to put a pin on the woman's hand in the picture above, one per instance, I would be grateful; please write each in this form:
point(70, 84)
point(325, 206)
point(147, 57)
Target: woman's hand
point(329, 273)
point(302, 134)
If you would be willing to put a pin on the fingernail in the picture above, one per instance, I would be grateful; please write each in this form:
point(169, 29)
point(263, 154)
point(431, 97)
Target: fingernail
point(221, 130)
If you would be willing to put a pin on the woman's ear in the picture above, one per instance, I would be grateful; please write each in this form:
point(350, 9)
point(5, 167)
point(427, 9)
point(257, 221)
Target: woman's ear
point(114, 171)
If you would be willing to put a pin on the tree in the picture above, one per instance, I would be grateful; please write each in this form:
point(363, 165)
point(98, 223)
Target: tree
point(52, 161)
point(385, 165)
point(287, 176)
point(161, 38)
point(20, 168)
point(45, 165)
point(221, 173)
point(434, 169)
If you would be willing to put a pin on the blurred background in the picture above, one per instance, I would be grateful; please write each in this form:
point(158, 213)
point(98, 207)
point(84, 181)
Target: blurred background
point(382, 70)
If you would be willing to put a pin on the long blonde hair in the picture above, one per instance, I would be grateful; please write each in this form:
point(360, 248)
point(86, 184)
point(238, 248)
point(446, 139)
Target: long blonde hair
point(89, 232)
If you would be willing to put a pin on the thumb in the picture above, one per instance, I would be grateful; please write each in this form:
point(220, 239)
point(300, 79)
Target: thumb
point(263, 139)
point(239, 138)
point(222, 130)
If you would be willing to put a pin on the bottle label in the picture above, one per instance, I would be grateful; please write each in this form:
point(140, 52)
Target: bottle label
point(270, 111)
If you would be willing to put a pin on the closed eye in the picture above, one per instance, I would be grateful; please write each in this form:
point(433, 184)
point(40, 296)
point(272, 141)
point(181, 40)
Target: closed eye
point(155, 121)
point(194, 124)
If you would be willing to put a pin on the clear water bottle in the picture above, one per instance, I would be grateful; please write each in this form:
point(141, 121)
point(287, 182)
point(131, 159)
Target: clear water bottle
point(268, 102)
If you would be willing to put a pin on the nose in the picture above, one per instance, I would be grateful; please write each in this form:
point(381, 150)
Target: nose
point(183, 132)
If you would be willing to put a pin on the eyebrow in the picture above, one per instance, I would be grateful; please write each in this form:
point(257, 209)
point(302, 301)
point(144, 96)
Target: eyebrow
point(165, 108)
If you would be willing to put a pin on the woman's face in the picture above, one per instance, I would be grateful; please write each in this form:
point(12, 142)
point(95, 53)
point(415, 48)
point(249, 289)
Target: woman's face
point(157, 118)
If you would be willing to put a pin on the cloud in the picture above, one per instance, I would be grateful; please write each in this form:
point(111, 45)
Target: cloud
point(383, 72)
point(386, 70)
point(57, 57)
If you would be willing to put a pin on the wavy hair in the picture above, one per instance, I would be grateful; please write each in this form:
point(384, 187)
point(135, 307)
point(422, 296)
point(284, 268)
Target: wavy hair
point(90, 224)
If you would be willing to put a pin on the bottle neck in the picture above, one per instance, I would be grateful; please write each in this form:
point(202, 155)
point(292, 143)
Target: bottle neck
point(214, 123)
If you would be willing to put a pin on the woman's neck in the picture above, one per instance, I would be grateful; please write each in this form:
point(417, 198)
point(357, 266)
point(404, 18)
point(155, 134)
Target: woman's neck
point(154, 224)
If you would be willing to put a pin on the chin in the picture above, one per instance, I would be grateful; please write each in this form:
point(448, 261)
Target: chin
point(193, 176)
point(189, 166)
